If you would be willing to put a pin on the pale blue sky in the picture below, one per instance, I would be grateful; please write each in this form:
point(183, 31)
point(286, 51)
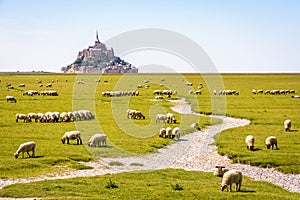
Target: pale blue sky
point(238, 35)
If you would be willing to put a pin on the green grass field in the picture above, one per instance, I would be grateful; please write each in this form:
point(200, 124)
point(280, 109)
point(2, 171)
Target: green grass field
point(146, 185)
point(130, 137)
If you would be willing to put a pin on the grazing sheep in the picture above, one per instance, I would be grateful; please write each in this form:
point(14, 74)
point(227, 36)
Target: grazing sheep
point(295, 96)
point(64, 117)
point(11, 98)
point(230, 177)
point(71, 135)
point(197, 92)
point(171, 118)
point(271, 141)
point(21, 116)
point(162, 132)
point(195, 126)
point(97, 140)
point(250, 142)
point(168, 132)
point(22, 85)
point(31, 116)
point(287, 125)
point(49, 85)
point(176, 133)
point(161, 117)
point(25, 147)
point(42, 117)
point(220, 171)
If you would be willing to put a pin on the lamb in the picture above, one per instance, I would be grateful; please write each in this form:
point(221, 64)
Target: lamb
point(196, 126)
point(287, 125)
point(220, 171)
point(71, 135)
point(250, 142)
point(271, 141)
point(11, 98)
point(97, 140)
point(161, 117)
point(171, 118)
point(21, 116)
point(176, 133)
point(162, 132)
point(25, 147)
point(230, 177)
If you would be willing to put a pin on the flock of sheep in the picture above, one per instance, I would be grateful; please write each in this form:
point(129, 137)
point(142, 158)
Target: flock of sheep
point(78, 115)
point(43, 93)
point(273, 92)
point(120, 93)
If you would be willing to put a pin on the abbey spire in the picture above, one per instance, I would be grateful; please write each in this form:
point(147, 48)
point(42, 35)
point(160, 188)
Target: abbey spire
point(97, 38)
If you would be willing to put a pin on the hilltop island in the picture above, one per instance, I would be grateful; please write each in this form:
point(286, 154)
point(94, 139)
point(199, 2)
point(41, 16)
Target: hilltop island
point(99, 59)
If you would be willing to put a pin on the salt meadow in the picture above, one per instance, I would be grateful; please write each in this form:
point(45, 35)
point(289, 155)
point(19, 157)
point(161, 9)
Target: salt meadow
point(265, 112)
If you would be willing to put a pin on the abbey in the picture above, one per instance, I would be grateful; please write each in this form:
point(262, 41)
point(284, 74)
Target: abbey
point(98, 59)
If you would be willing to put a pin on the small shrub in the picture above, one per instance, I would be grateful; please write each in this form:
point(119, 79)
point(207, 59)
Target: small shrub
point(110, 184)
point(177, 187)
point(136, 164)
point(115, 163)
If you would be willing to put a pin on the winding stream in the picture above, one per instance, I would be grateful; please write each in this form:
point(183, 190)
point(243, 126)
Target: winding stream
point(192, 152)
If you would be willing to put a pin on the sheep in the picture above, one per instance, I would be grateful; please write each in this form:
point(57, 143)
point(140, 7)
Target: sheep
point(71, 135)
point(168, 132)
point(31, 116)
point(271, 141)
point(25, 147)
point(250, 142)
point(171, 118)
point(97, 140)
point(220, 171)
point(11, 98)
point(197, 92)
point(22, 85)
point(188, 84)
point(230, 177)
point(49, 85)
point(161, 117)
point(176, 133)
point(195, 126)
point(42, 117)
point(162, 132)
point(21, 116)
point(287, 125)
point(64, 117)
point(295, 96)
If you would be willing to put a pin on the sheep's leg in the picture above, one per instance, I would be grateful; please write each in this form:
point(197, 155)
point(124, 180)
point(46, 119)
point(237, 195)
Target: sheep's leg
point(32, 153)
point(68, 142)
point(28, 154)
point(80, 140)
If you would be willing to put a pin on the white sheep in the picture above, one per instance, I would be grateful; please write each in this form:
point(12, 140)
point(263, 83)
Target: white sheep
point(31, 116)
point(168, 132)
point(271, 141)
point(97, 140)
point(64, 117)
point(171, 118)
point(25, 147)
point(42, 117)
point(195, 126)
point(220, 171)
point(161, 117)
point(71, 135)
point(230, 177)
point(162, 132)
point(250, 142)
point(287, 125)
point(21, 116)
point(11, 98)
point(176, 133)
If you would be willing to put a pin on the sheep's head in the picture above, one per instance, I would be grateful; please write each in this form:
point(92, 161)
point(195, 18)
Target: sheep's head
point(16, 155)
point(63, 140)
point(268, 146)
point(223, 187)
